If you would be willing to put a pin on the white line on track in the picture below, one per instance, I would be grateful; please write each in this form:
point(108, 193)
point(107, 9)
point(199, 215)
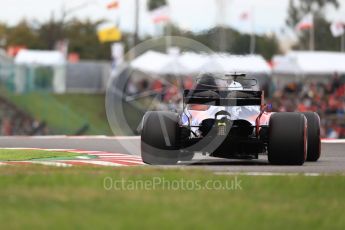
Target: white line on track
point(89, 152)
point(48, 163)
point(102, 163)
point(113, 154)
point(266, 174)
point(59, 150)
point(121, 160)
point(104, 153)
point(119, 157)
point(83, 157)
point(336, 141)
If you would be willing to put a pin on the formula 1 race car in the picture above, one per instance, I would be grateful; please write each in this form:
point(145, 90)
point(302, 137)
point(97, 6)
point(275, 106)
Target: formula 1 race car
point(224, 119)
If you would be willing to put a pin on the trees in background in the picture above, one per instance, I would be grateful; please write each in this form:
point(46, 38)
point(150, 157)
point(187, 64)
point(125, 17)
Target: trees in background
point(237, 43)
point(323, 37)
point(51, 32)
point(82, 37)
point(154, 4)
point(22, 34)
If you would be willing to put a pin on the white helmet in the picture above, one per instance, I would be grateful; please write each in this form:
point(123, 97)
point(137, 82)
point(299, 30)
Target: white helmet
point(234, 85)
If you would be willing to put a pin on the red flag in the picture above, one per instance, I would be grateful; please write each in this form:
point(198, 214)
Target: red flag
point(161, 15)
point(113, 5)
point(306, 23)
point(244, 16)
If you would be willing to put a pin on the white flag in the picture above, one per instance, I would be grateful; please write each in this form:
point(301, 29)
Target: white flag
point(337, 29)
point(306, 23)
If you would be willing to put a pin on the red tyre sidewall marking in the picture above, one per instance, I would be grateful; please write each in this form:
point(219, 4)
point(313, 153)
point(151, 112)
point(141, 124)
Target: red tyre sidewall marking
point(319, 123)
point(305, 139)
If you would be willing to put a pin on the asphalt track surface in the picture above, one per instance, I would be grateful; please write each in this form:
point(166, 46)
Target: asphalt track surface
point(331, 161)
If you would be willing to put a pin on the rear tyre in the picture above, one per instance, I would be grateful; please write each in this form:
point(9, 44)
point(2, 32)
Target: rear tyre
point(159, 138)
point(186, 156)
point(287, 139)
point(314, 139)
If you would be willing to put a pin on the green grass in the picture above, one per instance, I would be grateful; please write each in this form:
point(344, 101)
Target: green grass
point(24, 155)
point(66, 114)
point(91, 107)
point(57, 198)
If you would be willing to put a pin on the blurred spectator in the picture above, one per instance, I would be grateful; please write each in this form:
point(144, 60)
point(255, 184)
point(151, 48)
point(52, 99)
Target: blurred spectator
point(6, 127)
point(15, 122)
point(328, 100)
point(158, 88)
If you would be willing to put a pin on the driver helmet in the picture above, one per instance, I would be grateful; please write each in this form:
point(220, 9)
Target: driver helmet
point(234, 85)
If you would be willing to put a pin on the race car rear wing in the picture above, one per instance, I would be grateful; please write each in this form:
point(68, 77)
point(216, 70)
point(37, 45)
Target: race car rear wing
point(223, 97)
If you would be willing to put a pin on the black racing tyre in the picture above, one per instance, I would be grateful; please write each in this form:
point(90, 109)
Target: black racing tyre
point(160, 138)
point(314, 138)
point(186, 156)
point(287, 139)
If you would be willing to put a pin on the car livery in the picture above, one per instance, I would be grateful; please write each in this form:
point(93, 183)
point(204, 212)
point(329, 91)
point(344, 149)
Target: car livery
point(229, 121)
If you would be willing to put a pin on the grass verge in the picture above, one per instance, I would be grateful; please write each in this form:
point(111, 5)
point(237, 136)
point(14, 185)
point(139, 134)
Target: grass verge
point(25, 155)
point(59, 198)
point(67, 113)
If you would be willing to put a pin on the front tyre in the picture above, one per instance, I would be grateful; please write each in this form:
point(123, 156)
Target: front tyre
point(159, 138)
point(287, 139)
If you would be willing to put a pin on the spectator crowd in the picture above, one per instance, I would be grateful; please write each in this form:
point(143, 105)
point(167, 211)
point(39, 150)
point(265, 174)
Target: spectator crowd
point(15, 122)
point(327, 99)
